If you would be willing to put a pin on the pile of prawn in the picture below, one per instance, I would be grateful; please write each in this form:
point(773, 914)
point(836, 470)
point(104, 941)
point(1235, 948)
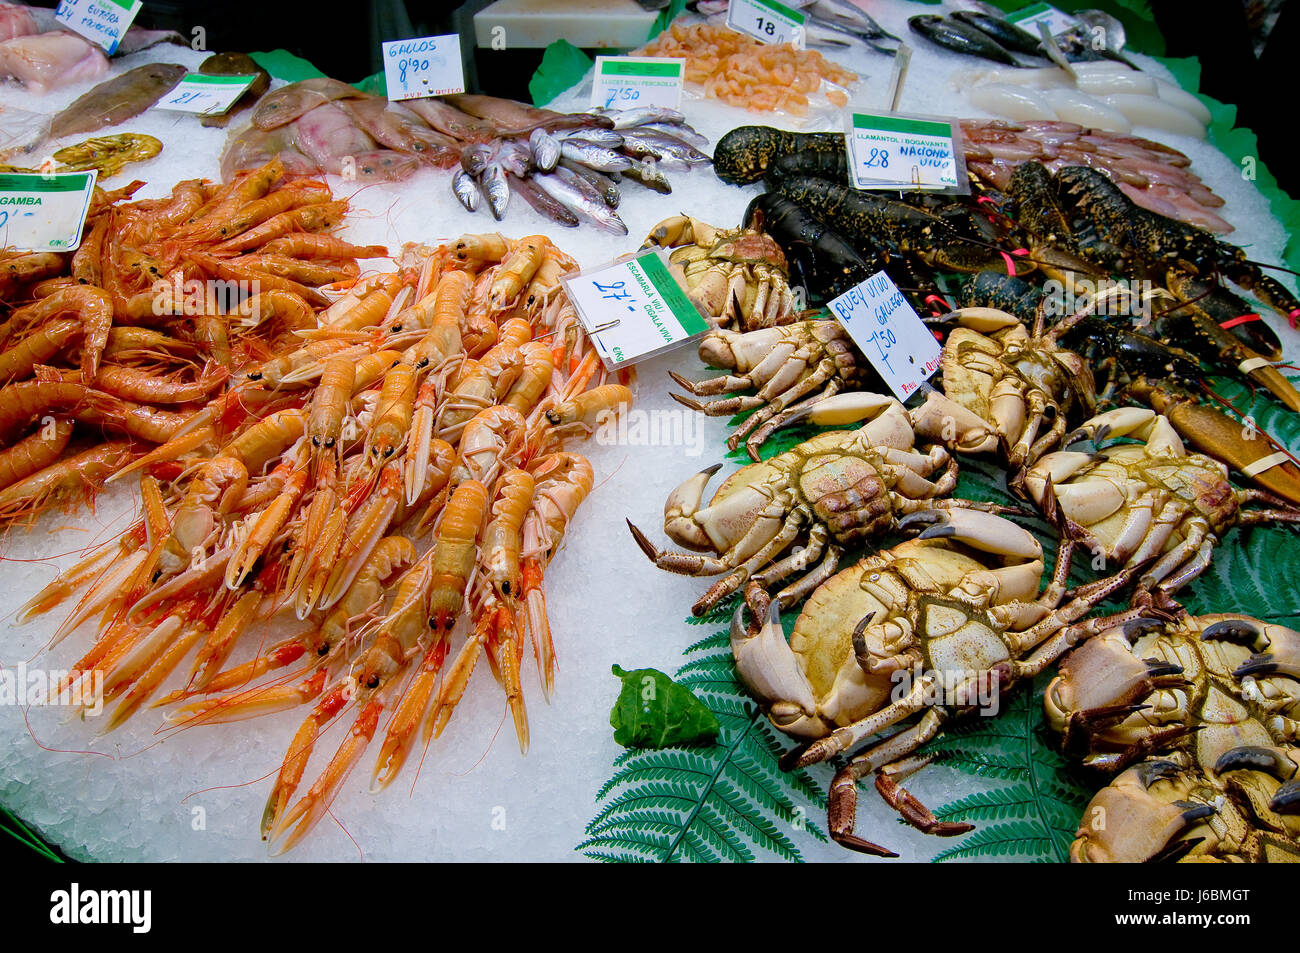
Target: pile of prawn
point(121, 344)
point(399, 473)
point(744, 72)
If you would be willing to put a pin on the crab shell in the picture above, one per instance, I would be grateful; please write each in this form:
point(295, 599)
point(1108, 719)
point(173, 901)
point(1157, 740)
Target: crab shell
point(818, 684)
point(1232, 692)
point(1153, 806)
point(851, 513)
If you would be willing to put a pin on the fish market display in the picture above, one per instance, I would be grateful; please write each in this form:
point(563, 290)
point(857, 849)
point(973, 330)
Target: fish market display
point(742, 72)
point(1105, 96)
point(125, 343)
point(397, 470)
point(1153, 175)
point(569, 167)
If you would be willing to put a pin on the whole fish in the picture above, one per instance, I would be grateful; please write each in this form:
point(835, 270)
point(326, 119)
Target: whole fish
point(1002, 32)
point(494, 185)
point(329, 137)
point(395, 126)
point(235, 64)
point(287, 103)
point(466, 190)
point(673, 147)
point(474, 159)
point(545, 148)
point(514, 156)
point(958, 36)
point(46, 61)
point(847, 13)
point(376, 165)
point(117, 100)
point(598, 157)
point(606, 187)
point(597, 137)
point(252, 148)
point(646, 174)
point(682, 132)
point(542, 201)
point(819, 31)
point(579, 197)
point(627, 118)
point(450, 121)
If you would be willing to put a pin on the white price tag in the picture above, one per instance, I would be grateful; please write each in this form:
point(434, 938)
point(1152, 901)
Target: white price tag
point(1029, 18)
point(886, 329)
point(103, 22)
point(428, 66)
point(897, 152)
point(766, 21)
point(634, 308)
point(209, 95)
point(634, 82)
point(44, 212)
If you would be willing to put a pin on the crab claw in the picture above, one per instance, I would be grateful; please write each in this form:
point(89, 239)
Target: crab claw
point(681, 506)
point(768, 667)
point(841, 409)
point(977, 529)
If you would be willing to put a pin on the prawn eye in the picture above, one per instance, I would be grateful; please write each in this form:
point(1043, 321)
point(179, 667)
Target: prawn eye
point(315, 441)
point(323, 649)
point(373, 681)
point(329, 441)
point(396, 328)
point(389, 451)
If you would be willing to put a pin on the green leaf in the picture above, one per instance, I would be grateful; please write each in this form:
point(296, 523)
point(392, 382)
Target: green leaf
point(563, 65)
point(653, 711)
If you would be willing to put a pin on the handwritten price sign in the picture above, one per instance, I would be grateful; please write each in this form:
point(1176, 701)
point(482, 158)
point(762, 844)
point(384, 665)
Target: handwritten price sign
point(897, 152)
point(103, 22)
point(886, 329)
point(40, 212)
point(634, 308)
point(206, 95)
point(429, 66)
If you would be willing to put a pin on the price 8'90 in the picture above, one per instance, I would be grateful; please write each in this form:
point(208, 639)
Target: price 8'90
point(408, 67)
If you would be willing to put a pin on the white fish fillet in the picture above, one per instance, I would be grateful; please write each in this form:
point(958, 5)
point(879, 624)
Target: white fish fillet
point(1156, 113)
point(48, 61)
point(1184, 100)
point(1074, 106)
point(1013, 102)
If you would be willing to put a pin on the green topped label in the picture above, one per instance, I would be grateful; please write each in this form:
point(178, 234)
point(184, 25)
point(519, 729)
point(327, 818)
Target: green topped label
point(902, 152)
point(204, 94)
point(637, 82)
point(634, 308)
point(766, 21)
point(44, 211)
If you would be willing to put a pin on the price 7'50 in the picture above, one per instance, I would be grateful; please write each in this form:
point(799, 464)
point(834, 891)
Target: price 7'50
point(623, 94)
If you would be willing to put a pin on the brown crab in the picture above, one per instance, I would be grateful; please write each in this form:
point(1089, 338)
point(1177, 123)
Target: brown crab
point(934, 627)
point(835, 489)
point(736, 276)
point(1134, 502)
point(1213, 705)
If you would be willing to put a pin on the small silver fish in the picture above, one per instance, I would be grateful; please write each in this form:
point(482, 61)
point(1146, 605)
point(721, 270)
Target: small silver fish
point(627, 118)
point(682, 132)
point(569, 189)
point(466, 189)
point(598, 137)
point(514, 157)
point(474, 159)
point(598, 157)
point(647, 174)
point(667, 145)
point(495, 188)
point(603, 184)
point(545, 148)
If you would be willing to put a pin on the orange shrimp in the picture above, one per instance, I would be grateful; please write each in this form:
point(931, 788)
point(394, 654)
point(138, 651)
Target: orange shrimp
point(34, 453)
point(305, 218)
point(132, 383)
point(311, 245)
point(69, 481)
point(20, 402)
